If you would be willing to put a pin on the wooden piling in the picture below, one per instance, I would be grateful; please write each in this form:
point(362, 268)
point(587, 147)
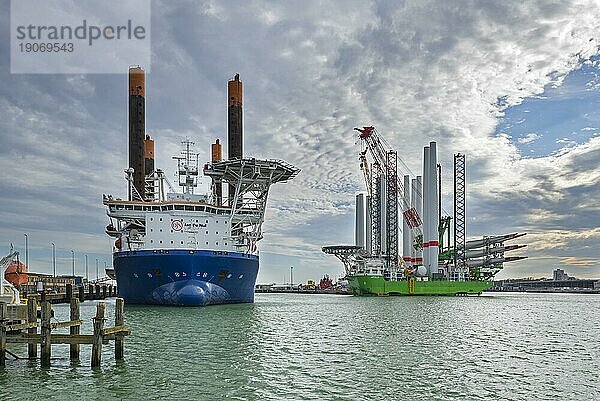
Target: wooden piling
point(69, 292)
point(31, 318)
point(46, 344)
point(74, 330)
point(119, 321)
point(97, 292)
point(3, 322)
point(104, 292)
point(97, 336)
point(81, 293)
point(91, 291)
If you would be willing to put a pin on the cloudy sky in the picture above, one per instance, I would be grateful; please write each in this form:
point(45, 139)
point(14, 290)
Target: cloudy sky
point(514, 85)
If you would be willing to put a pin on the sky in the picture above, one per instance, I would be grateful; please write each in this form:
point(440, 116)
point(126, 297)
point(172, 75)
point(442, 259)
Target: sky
point(513, 85)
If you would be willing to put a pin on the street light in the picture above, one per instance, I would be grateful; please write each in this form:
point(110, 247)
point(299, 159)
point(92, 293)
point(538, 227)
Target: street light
point(96, 268)
point(73, 261)
point(292, 276)
point(26, 250)
point(86, 268)
point(53, 259)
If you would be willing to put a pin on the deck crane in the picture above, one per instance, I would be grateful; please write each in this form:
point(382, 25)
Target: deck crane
point(384, 188)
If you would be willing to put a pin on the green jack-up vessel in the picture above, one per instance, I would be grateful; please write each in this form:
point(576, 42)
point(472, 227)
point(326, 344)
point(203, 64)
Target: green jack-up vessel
point(433, 261)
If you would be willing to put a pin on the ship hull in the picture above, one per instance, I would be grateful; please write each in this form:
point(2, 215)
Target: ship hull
point(184, 277)
point(364, 285)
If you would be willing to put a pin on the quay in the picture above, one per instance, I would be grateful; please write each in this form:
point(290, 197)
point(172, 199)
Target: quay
point(82, 292)
point(19, 324)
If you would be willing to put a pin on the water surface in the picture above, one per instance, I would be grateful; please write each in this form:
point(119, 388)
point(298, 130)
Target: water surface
point(325, 347)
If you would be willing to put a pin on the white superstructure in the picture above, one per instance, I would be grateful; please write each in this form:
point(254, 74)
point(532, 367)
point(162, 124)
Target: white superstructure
point(191, 221)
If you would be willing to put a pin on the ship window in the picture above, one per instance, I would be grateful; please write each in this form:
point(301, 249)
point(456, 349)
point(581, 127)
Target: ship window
point(207, 232)
point(216, 243)
point(190, 208)
point(151, 241)
point(181, 242)
point(217, 221)
point(160, 219)
point(206, 242)
point(161, 230)
point(137, 208)
point(161, 242)
point(201, 208)
point(170, 207)
point(151, 229)
point(178, 207)
point(151, 219)
point(155, 207)
point(206, 221)
point(129, 207)
point(147, 208)
point(226, 244)
point(217, 233)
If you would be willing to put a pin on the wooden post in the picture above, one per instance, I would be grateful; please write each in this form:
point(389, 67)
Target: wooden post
point(46, 345)
point(119, 321)
point(97, 292)
point(97, 341)
point(81, 293)
point(31, 318)
point(3, 321)
point(104, 292)
point(69, 292)
point(74, 348)
point(91, 291)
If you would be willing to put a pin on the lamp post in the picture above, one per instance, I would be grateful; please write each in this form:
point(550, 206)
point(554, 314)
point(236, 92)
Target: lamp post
point(53, 259)
point(26, 250)
point(292, 277)
point(96, 268)
point(73, 262)
point(86, 268)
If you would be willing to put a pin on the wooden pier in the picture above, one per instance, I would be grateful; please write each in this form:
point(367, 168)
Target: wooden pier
point(83, 292)
point(27, 332)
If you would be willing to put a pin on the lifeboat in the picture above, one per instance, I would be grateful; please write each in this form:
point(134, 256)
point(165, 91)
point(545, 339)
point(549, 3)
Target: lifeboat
point(16, 273)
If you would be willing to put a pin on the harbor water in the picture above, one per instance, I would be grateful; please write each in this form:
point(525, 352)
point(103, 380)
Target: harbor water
point(323, 347)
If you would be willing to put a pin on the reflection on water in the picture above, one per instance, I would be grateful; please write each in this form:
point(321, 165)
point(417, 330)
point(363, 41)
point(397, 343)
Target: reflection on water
point(295, 347)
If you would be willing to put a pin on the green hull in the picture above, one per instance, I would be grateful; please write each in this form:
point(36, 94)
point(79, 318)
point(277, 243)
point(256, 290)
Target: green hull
point(377, 285)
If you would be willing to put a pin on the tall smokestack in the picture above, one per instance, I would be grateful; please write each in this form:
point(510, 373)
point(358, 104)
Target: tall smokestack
point(137, 127)
point(234, 121)
point(216, 152)
point(149, 155)
point(234, 124)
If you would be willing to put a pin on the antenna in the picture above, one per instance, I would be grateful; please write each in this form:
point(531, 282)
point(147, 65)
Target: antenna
point(187, 168)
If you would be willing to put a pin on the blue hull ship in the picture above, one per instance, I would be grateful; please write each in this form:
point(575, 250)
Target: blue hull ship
point(185, 277)
point(184, 248)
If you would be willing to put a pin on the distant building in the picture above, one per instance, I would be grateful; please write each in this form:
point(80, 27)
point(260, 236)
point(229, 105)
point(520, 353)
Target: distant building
point(560, 275)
